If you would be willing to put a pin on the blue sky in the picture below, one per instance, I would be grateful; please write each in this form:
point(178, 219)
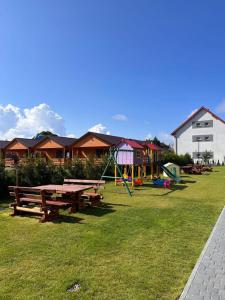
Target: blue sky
point(153, 62)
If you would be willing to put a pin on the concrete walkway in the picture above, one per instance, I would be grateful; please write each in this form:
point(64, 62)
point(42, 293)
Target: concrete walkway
point(207, 281)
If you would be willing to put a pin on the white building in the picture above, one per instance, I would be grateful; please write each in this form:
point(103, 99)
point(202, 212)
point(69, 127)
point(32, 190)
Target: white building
point(202, 131)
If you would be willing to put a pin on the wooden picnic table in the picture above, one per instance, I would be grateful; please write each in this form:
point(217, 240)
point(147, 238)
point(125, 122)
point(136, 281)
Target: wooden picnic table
point(74, 192)
point(96, 184)
point(85, 181)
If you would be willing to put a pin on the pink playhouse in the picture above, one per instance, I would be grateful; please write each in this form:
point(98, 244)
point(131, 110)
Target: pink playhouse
point(130, 156)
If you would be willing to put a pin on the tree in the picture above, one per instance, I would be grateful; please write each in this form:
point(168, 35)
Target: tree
point(156, 141)
point(206, 156)
point(43, 133)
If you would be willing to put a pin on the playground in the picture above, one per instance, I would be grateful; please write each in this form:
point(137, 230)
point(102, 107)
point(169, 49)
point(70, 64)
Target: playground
point(135, 248)
point(135, 162)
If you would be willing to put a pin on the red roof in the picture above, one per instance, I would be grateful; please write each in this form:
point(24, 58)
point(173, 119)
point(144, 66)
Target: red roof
point(132, 143)
point(153, 147)
point(194, 114)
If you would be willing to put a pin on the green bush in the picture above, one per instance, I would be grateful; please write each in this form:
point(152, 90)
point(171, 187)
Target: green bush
point(180, 160)
point(2, 179)
point(74, 169)
point(34, 172)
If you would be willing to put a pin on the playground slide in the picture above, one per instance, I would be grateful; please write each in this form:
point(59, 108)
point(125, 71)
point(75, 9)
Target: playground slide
point(171, 175)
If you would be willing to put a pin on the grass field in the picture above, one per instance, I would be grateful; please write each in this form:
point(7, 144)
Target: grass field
point(138, 248)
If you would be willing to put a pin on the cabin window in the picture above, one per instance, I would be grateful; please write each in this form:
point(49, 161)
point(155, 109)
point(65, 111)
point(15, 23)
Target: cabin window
point(59, 154)
point(138, 154)
point(99, 153)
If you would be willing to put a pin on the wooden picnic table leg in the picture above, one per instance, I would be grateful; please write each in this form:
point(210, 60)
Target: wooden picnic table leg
point(73, 199)
point(76, 202)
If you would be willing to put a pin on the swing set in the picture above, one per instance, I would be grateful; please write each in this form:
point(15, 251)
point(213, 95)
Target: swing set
point(113, 154)
point(124, 171)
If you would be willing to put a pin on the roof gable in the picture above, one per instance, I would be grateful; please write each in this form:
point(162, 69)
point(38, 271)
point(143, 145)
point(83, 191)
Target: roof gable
point(195, 114)
point(48, 143)
point(93, 139)
point(53, 141)
point(133, 144)
point(21, 143)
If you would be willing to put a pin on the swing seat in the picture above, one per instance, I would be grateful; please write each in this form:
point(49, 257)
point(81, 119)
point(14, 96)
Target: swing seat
point(138, 182)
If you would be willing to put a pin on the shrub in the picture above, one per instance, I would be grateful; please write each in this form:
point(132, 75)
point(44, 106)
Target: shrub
point(76, 169)
point(180, 160)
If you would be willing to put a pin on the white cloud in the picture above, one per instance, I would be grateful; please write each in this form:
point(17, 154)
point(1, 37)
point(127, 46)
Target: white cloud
point(165, 138)
point(193, 112)
point(15, 122)
point(71, 135)
point(120, 117)
point(149, 136)
point(99, 128)
point(221, 107)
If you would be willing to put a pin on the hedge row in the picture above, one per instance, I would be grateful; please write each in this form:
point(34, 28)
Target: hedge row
point(38, 172)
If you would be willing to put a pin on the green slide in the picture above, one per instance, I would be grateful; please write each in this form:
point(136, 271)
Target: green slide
point(170, 174)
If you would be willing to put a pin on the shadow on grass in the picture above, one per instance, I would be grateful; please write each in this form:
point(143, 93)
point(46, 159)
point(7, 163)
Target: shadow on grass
point(188, 181)
point(171, 190)
point(67, 219)
point(4, 202)
point(114, 204)
point(100, 211)
point(60, 219)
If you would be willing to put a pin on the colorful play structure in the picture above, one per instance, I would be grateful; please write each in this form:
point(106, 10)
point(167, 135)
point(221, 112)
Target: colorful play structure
point(133, 161)
point(137, 160)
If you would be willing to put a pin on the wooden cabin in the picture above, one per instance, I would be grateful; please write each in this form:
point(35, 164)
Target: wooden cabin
point(17, 150)
point(3, 144)
point(57, 149)
point(94, 145)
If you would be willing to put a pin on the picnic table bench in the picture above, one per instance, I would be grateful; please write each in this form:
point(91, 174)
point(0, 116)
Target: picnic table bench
point(43, 200)
point(93, 197)
point(35, 201)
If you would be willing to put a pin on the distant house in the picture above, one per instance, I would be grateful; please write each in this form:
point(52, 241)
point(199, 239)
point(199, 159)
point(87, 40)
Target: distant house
point(94, 145)
point(18, 149)
point(54, 148)
point(202, 131)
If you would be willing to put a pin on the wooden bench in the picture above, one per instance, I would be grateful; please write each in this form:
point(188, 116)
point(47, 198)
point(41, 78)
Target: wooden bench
point(93, 197)
point(39, 202)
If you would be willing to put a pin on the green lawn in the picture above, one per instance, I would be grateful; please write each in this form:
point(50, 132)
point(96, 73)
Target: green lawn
point(137, 248)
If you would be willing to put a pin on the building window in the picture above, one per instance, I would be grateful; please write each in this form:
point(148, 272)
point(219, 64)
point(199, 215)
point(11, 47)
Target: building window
point(138, 154)
point(202, 124)
point(198, 155)
point(202, 138)
point(59, 154)
point(99, 153)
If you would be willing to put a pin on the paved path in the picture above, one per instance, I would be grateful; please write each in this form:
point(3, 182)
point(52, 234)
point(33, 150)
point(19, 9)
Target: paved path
point(207, 281)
